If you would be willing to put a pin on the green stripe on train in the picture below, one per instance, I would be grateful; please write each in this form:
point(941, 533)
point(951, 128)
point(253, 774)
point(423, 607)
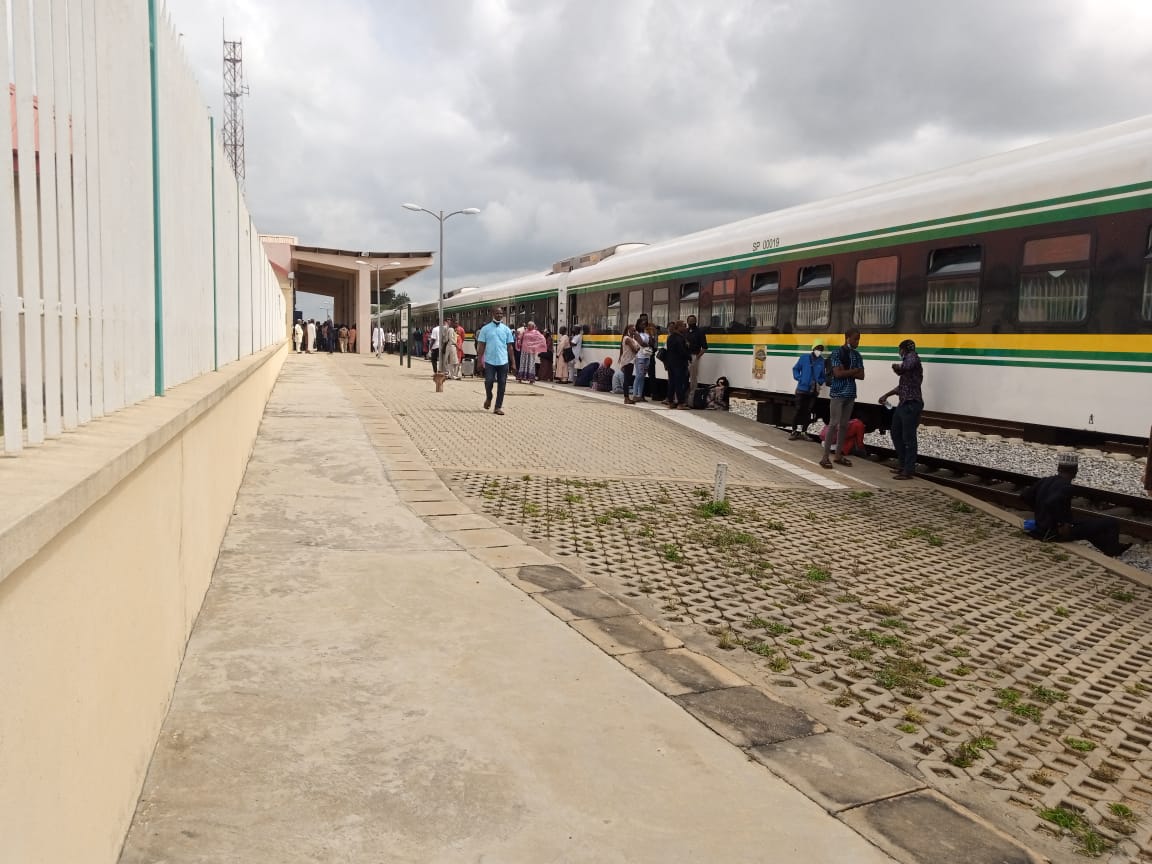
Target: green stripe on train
point(885, 237)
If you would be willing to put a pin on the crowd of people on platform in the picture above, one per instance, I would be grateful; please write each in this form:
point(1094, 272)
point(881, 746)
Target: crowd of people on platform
point(323, 337)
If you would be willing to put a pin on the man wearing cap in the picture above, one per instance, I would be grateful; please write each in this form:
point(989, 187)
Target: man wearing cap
point(1051, 501)
point(906, 419)
point(809, 375)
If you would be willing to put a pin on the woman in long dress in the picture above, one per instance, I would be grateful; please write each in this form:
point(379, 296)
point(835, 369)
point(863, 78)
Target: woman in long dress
point(561, 365)
point(531, 345)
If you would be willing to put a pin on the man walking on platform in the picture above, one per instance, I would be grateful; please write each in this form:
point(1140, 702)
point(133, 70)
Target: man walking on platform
point(847, 369)
point(493, 345)
point(907, 417)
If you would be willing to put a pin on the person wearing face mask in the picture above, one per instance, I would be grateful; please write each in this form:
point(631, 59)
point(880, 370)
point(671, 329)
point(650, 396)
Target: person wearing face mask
point(809, 375)
point(906, 420)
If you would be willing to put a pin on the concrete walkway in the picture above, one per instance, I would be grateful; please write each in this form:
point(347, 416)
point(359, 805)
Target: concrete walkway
point(362, 687)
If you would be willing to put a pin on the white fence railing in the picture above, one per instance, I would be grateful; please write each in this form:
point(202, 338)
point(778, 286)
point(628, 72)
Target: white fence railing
point(88, 322)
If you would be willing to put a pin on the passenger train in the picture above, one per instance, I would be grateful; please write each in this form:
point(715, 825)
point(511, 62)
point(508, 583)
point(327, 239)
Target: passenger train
point(1025, 280)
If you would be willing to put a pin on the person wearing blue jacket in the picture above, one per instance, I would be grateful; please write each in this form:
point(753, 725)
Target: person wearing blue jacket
point(809, 375)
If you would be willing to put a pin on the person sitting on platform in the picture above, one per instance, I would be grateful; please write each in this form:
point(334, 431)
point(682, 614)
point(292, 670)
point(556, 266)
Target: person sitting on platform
point(602, 380)
point(1051, 501)
point(853, 439)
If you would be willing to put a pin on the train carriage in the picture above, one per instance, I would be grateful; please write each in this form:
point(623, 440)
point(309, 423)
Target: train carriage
point(1025, 279)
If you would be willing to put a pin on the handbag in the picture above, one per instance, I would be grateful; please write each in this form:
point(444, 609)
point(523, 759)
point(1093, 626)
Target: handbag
point(568, 354)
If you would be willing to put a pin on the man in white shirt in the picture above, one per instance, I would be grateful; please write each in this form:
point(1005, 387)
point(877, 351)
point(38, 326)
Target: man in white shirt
point(434, 348)
point(377, 340)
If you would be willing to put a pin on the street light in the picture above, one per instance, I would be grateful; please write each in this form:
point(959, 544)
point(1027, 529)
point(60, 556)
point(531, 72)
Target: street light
point(377, 268)
point(442, 218)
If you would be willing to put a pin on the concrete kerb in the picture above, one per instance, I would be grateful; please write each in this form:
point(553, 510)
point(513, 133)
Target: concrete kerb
point(735, 709)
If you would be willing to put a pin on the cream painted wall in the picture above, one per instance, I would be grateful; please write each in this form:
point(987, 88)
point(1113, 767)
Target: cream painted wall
point(93, 629)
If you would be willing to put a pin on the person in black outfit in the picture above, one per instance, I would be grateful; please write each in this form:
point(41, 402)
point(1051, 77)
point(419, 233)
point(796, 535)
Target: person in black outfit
point(677, 358)
point(1051, 501)
point(697, 344)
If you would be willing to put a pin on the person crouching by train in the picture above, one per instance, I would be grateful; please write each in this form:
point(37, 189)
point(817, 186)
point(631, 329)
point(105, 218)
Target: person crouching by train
point(906, 419)
point(809, 374)
point(847, 369)
point(1051, 502)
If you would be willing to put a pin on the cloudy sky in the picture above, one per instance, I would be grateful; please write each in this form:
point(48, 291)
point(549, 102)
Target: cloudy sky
point(577, 124)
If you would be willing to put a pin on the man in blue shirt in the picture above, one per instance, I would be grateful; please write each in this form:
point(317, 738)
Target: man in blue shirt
point(492, 346)
point(847, 369)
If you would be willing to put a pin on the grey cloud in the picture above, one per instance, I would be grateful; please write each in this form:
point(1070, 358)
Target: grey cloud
point(579, 123)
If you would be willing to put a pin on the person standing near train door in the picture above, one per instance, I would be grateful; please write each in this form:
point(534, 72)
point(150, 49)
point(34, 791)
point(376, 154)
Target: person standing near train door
point(697, 344)
point(847, 369)
point(906, 420)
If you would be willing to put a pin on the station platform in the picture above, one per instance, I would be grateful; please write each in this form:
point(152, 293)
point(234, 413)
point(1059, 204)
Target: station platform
point(436, 634)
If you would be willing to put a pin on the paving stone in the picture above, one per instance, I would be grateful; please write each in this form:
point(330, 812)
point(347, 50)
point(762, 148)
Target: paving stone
point(926, 827)
point(424, 496)
point(582, 603)
point(459, 522)
point(439, 508)
point(747, 717)
point(499, 557)
point(477, 538)
point(679, 671)
point(550, 577)
point(625, 634)
point(835, 773)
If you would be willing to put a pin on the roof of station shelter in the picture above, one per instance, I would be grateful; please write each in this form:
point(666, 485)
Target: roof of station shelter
point(313, 263)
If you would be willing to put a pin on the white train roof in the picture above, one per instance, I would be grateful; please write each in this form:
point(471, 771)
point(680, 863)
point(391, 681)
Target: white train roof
point(1028, 179)
point(1103, 159)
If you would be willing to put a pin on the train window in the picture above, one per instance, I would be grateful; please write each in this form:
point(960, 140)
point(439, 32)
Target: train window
point(723, 303)
point(953, 293)
point(612, 318)
point(659, 315)
point(765, 301)
point(876, 292)
point(689, 300)
point(813, 303)
point(1054, 280)
point(1147, 305)
point(635, 305)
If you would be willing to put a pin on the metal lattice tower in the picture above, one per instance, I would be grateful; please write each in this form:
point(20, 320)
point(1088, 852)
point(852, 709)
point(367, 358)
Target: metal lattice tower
point(234, 91)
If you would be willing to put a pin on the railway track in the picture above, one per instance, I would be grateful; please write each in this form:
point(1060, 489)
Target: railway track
point(1004, 488)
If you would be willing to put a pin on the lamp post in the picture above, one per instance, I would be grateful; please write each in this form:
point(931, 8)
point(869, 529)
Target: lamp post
point(376, 267)
point(442, 218)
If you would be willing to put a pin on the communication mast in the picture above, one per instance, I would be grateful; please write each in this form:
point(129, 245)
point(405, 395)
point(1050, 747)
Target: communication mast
point(234, 90)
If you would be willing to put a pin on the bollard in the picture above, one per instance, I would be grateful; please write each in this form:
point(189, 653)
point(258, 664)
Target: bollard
point(439, 378)
point(718, 488)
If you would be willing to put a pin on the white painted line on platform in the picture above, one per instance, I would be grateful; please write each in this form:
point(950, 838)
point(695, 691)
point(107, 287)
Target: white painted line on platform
point(750, 446)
